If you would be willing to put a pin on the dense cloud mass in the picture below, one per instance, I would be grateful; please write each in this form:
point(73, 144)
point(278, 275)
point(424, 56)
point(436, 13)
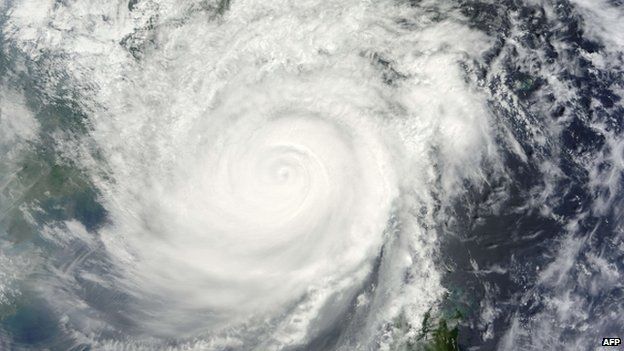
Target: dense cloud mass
point(305, 175)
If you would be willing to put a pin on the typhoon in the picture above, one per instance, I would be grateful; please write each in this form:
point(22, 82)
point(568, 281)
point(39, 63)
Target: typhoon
point(309, 175)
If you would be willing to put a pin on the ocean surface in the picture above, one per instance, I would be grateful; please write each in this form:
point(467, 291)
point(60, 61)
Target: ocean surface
point(310, 175)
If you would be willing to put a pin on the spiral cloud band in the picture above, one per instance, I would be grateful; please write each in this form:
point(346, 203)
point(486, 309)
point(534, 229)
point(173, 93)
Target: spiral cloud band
point(283, 204)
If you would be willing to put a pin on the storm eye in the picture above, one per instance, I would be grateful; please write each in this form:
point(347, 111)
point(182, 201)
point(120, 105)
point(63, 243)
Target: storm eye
point(283, 173)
